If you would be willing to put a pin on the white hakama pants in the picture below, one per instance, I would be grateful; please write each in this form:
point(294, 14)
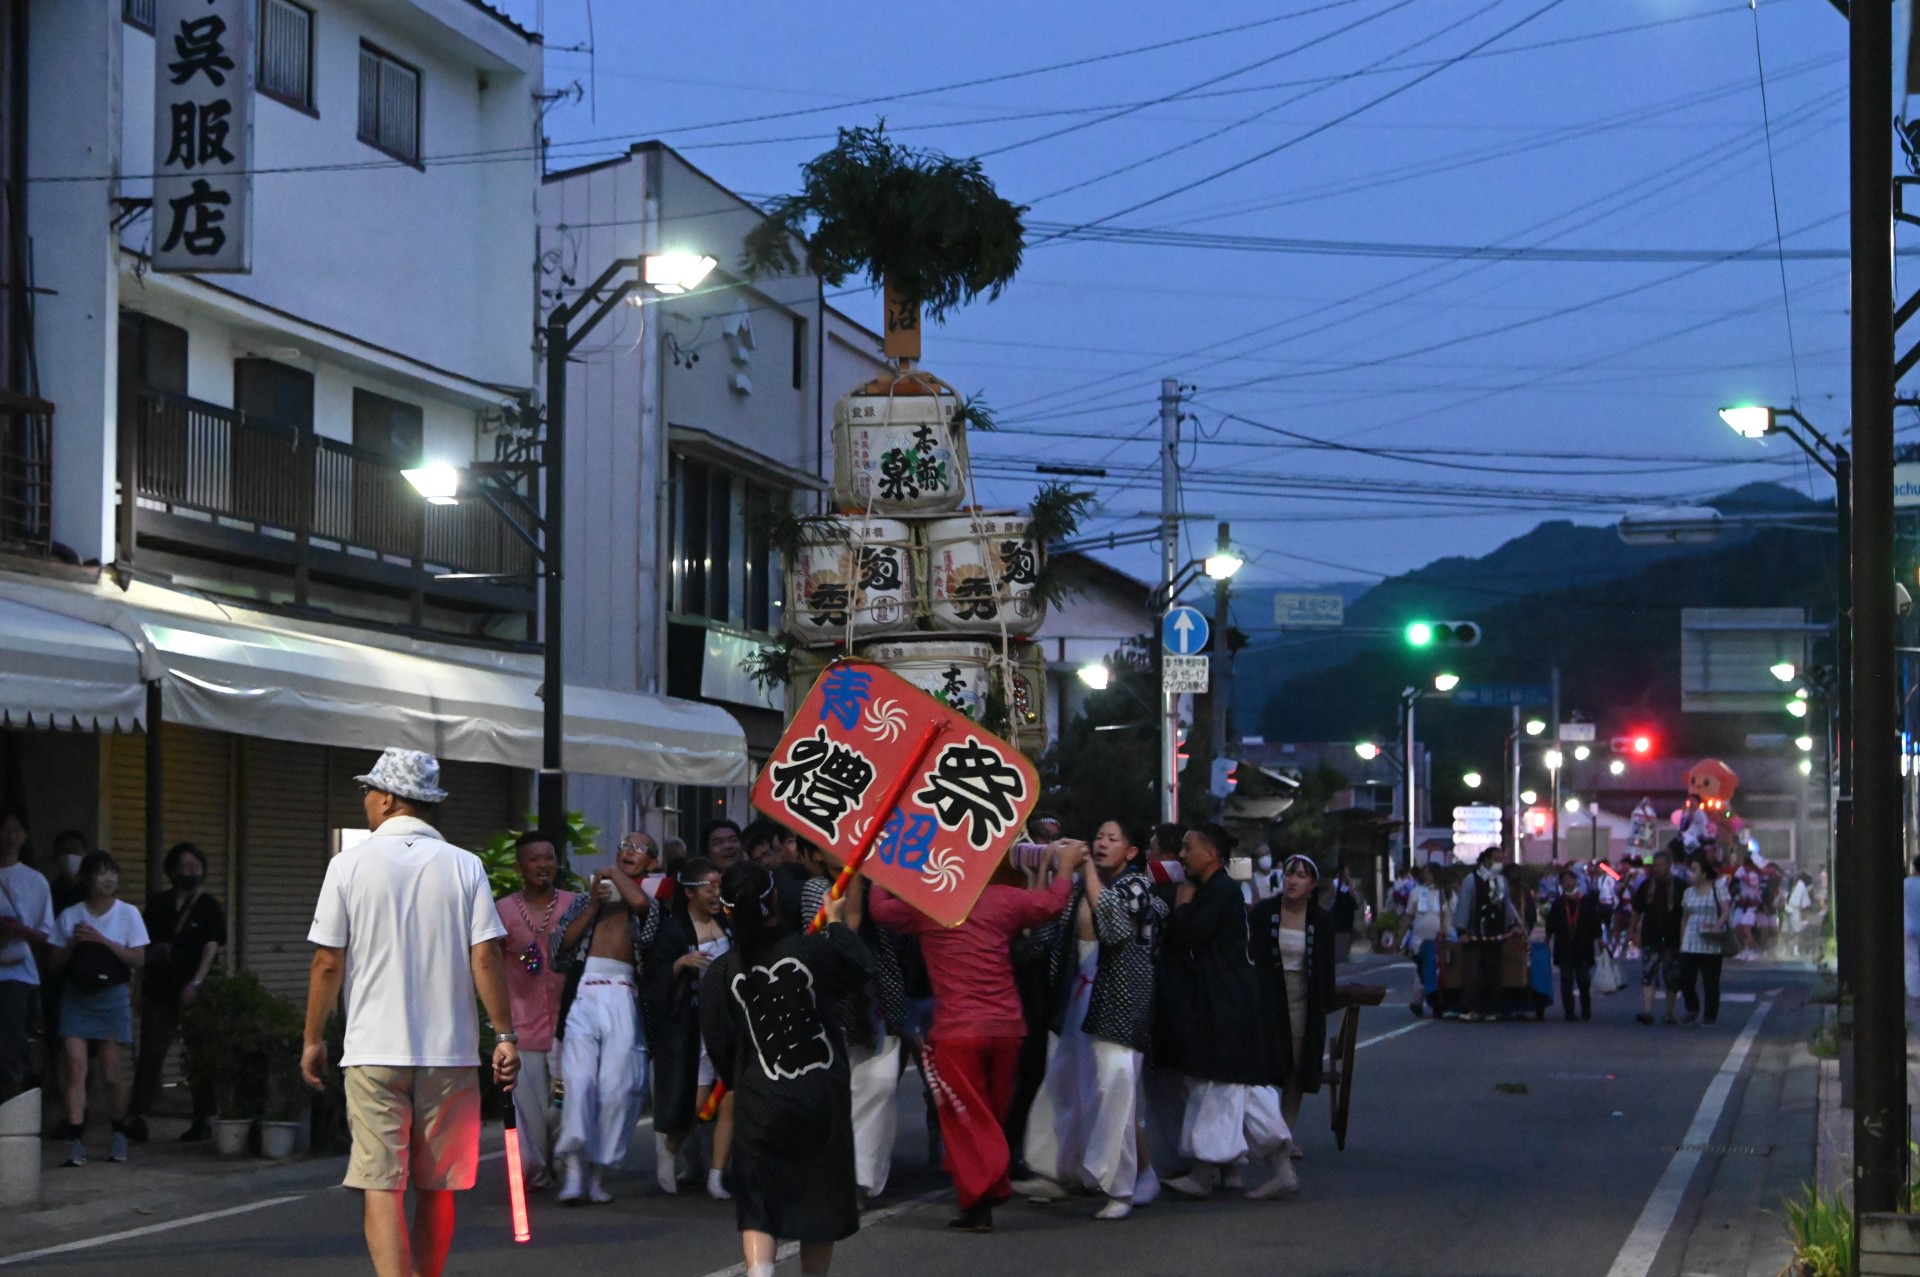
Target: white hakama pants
point(1226, 1122)
point(876, 1080)
point(1081, 1129)
point(601, 1065)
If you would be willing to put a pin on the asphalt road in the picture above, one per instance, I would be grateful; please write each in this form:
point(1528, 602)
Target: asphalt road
point(1513, 1148)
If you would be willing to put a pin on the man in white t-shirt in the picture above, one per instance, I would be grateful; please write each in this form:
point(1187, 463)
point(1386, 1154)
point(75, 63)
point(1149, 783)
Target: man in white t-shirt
point(408, 923)
point(26, 916)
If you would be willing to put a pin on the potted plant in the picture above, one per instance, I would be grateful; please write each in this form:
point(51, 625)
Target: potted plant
point(233, 1035)
point(289, 1104)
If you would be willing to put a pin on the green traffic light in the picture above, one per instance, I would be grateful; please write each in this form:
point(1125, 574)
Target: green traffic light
point(1419, 634)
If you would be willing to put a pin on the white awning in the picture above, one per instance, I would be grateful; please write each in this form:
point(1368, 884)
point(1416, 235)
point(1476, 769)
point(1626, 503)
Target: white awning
point(253, 674)
point(56, 671)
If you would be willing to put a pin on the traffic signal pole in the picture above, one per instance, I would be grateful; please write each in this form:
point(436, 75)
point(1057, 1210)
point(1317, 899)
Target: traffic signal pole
point(1409, 777)
point(1169, 574)
point(1222, 691)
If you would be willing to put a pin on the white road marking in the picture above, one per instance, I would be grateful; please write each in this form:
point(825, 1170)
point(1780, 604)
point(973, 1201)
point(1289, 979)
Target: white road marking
point(147, 1231)
point(1364, 1043)
point(1643, 1243)
point(868, 1220)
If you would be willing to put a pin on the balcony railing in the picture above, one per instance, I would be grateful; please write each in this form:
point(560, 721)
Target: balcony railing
point(293, 485)
point(26, 473)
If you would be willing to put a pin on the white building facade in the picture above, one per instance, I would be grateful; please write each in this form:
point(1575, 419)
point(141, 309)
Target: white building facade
point(218, 594)
point(707, 409)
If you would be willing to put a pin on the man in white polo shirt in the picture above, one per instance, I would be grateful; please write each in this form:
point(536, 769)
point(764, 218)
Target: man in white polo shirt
point(408, 922)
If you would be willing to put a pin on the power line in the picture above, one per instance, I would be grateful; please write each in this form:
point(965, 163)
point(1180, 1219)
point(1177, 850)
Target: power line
point(1773, 187)
point(1207, 83)
point(1318, 129)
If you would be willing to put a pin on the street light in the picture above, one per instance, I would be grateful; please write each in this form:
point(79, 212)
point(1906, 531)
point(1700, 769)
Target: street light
point(671, 274)
point(1535, 726)
point(1529, 797)
point(1554, 759)
point(503, 484)
point(438, 482)
point(1095, 675)
point(1804, 744)
point(1471, 780)
point(1222, 564)
point(1749, 421)
point(1618, 766)
point(1784, 671)
point(1581, 753)
point(1573, 804)
point(1367, 750)
point(1806, 767)
point(1445, 682)
point(1797, 708)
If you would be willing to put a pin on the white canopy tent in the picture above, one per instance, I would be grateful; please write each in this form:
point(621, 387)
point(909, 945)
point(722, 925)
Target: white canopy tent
point(82, 656)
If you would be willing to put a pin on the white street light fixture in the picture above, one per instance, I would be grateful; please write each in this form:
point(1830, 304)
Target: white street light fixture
point(1554, 760)
point(1528, 797)
point(1222, 565)
point(1618, 766)
point(1367, 750)
point(1784, 671)
point(1749, 421)
point(1806, 767)
point(438, 483)
point(1797, 708)
point(1573, 804)
point(1535, 726)
point(1804, 744)
point(1095, 675)
point(1445, 682)
point(1800, 694)
point(671, 274)
point(1581, 753)
point(1471, 780)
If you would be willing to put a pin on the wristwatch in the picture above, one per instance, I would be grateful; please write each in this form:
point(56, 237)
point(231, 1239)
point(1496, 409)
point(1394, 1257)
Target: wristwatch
point(507, 1037)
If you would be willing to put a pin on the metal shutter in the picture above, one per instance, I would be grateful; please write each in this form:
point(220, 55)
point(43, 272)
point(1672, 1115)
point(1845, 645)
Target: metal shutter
point(284, 836)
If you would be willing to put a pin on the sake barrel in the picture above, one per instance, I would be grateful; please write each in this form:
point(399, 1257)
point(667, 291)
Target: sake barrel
point(1027, 699)
point(956, 671)
point(981, 570)
point(858, 569)
point(899, 452)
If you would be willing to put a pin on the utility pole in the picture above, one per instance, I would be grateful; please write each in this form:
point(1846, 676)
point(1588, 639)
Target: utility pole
point(1562, 755)
point(1513, 789)
point(1222, 679)
point(1846, 870)
point(1169, 574)
point(1409, 778)
point(1879, 1021)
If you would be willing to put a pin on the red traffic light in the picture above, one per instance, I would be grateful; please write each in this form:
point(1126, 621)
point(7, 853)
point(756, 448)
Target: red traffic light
point(1643, 744)
point(1639, 744)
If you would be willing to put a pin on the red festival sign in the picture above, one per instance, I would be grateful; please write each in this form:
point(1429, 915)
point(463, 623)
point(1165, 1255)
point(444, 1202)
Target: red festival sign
point(905, 789)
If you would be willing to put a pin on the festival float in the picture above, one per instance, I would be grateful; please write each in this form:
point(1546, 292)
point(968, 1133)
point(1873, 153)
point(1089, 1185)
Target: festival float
point(907, 569)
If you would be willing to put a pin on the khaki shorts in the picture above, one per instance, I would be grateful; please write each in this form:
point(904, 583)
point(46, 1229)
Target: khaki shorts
point(413, 1126)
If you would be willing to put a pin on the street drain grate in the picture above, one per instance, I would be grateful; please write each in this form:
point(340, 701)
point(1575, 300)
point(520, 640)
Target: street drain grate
point(1750, 1150)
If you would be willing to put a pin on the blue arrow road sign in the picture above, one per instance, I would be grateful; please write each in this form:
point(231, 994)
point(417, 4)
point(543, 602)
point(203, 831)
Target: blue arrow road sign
point(1183, 631)
point(1501, 695)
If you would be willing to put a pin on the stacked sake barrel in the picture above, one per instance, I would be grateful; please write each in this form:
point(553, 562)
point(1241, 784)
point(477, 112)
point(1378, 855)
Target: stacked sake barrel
point(910, 578)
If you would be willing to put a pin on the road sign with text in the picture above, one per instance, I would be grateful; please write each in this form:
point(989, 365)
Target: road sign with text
point(1185, 674)
point(1309, 611)
point(1503, 694)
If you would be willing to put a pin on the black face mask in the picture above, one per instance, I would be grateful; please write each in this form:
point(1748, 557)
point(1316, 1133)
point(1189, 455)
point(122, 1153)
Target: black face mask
point(187, 882)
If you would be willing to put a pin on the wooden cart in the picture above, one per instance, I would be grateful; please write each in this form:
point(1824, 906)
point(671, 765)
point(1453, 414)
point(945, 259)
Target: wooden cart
point(1342, 1042)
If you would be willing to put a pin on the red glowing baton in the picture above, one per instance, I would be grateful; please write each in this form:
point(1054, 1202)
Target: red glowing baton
point(516, 1185)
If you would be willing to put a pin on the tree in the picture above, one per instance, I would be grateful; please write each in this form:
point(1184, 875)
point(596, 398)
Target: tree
point(929, 229)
